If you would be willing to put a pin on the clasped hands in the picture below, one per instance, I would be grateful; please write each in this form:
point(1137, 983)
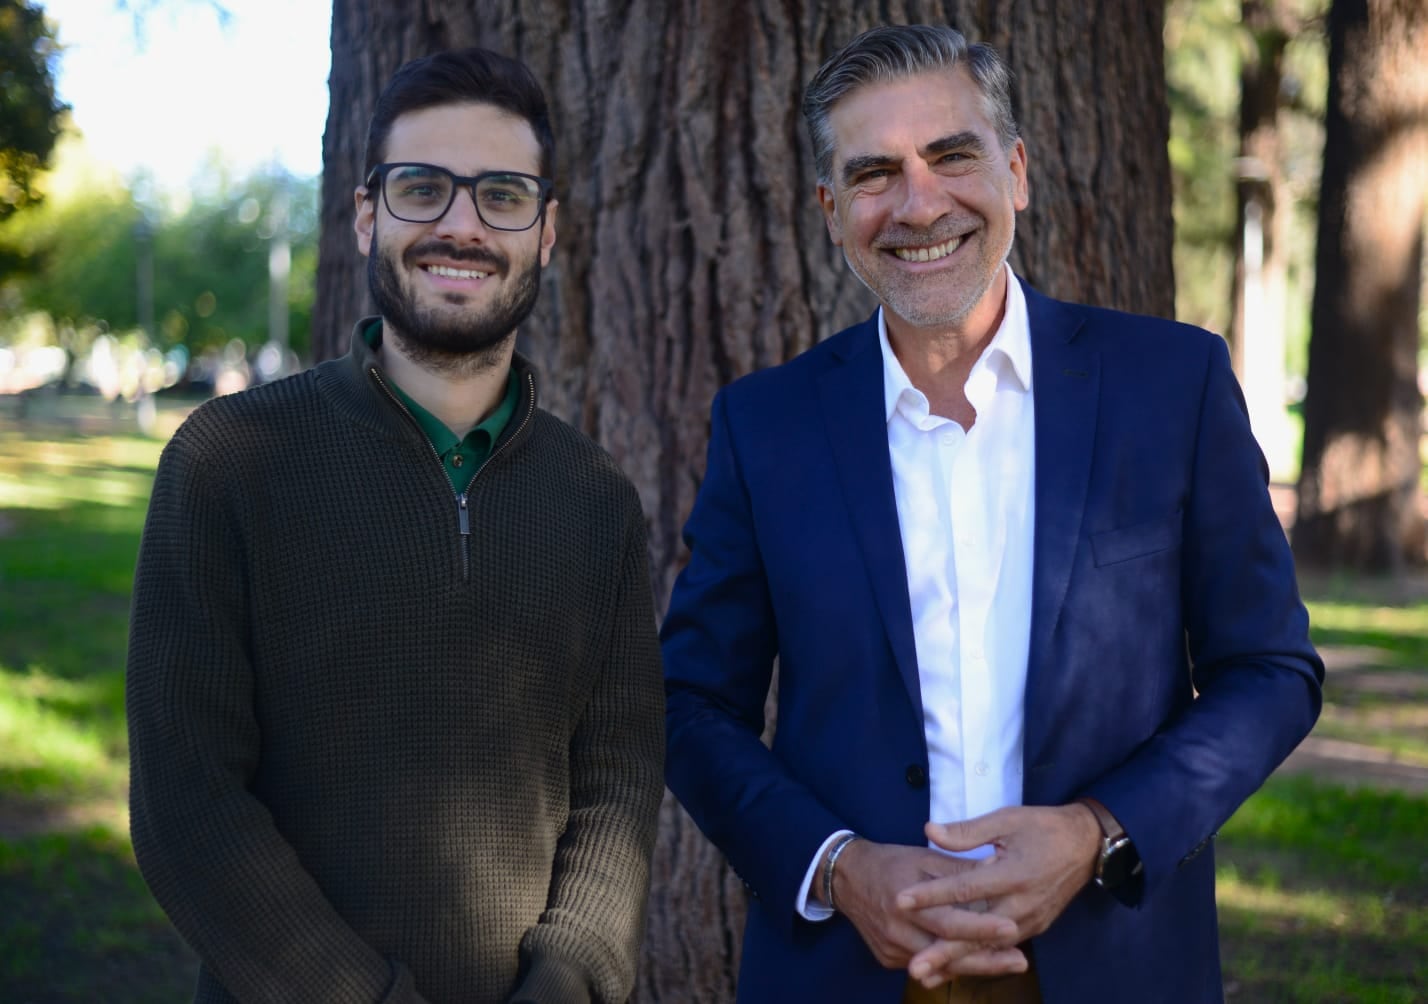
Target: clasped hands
point(940, 917)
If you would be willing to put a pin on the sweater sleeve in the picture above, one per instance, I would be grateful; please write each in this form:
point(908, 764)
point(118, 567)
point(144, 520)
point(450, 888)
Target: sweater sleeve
point(209, 850)
point(594, 919)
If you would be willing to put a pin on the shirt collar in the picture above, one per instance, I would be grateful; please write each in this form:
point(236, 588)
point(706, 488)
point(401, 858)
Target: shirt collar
point(1009, 350)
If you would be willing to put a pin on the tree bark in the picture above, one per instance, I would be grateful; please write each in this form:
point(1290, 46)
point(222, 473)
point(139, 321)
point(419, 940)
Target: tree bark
point(1359, 497)
point(691, 249)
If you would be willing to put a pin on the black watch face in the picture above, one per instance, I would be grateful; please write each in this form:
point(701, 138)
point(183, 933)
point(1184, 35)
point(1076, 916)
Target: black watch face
point(1119, 864)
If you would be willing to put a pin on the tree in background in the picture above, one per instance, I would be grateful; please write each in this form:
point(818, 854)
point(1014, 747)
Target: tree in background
point(193, 274)
point(1246, 82)
point(1359, 495)
point(691, 249)
point(30, 112)
point(1261, 244)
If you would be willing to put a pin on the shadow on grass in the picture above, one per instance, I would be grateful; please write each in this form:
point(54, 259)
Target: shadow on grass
point(1323, 895)
point(80, 926)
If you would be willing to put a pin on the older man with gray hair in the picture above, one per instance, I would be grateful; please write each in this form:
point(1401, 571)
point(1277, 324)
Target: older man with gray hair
point(1037, 626)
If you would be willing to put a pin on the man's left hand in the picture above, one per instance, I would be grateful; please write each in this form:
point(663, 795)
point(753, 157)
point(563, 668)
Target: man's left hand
point(1044, 857)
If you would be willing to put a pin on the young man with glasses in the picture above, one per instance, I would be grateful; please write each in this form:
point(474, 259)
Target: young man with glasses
point(394, 688)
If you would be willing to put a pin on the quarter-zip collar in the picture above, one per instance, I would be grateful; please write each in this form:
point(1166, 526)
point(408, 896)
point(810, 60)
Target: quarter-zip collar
point(353, 385)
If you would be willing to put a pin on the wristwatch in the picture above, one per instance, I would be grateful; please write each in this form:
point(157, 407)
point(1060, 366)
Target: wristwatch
point(1118, 866)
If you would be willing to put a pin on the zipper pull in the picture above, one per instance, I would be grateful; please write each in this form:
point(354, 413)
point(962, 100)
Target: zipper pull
point(463, 514)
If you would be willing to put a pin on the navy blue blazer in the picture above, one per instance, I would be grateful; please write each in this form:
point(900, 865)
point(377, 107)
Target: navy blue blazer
point(1169, 670)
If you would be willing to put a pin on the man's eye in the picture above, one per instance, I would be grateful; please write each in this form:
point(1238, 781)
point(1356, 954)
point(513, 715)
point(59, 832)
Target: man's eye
point(419, 192)
point(503, 198)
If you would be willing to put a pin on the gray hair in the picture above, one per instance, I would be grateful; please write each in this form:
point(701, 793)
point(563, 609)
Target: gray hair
point(891, 52)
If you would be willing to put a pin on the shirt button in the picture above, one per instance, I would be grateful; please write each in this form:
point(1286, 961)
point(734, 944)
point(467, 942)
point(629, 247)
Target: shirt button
point(982, 768)
point(948, 438)
point(916, 775)
point(457, 460)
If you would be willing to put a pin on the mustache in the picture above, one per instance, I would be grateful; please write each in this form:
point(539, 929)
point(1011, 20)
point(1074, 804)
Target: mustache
point(471, 256)
point(902, 236)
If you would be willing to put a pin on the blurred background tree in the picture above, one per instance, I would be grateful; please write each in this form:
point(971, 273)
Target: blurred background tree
point(1360, 496)
point(31, 115)
point(190, 271)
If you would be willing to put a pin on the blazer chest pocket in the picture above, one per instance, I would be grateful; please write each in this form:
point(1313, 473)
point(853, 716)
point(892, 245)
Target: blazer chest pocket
point(1129, 542)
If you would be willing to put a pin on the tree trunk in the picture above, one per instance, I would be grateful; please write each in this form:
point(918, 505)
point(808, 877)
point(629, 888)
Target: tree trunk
point(1358, 494)
point(691, 249)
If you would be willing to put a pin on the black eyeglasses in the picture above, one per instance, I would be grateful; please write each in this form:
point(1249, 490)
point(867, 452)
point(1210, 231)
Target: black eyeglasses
point(422, 193)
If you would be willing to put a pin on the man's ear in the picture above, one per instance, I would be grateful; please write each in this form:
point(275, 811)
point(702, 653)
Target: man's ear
point(830, 214)
point(547, 232)
point(1021, 196)
point(365, 219)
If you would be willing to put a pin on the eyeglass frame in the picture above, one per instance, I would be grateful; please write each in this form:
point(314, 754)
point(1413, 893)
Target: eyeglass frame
point(379, 174)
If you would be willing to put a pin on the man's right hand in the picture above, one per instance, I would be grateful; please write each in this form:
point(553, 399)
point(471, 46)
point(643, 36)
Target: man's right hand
point(866, 883)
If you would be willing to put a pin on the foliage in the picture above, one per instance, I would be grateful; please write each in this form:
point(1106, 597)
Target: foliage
point(30, 111)
point(92, 244)
point(1201, 74)
point(1204, 45)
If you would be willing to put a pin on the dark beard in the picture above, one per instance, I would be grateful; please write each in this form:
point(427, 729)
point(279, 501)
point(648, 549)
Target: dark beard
point(440, 343)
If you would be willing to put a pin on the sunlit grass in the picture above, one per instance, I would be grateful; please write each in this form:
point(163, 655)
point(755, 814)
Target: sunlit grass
point(96, 470)
point(1362, 615)
point(1376, 836)
point(1265, 905)
point(1323, 895)
point(72, 511)
point(62, 737)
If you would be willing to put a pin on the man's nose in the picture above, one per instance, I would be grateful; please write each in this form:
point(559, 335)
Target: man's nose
point(925, 198)
point(461, 220)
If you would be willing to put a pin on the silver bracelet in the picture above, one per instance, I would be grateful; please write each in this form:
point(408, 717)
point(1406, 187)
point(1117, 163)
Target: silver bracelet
point(828, 865)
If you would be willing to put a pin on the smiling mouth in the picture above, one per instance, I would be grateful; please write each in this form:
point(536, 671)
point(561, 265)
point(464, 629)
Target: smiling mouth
point(448, 272)
point(929, 254)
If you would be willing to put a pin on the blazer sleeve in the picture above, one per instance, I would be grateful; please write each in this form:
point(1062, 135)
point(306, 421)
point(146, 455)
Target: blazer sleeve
point(720, 639)
point(1256, 675)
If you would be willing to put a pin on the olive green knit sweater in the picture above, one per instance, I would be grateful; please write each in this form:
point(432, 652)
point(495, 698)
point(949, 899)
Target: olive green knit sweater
point(375, 758)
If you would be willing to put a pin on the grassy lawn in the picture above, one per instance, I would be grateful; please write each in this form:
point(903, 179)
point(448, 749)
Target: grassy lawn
point(76, 921)
point(1323, 893)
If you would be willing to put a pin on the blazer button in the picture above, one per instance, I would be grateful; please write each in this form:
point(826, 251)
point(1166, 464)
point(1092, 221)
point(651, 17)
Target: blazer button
point(916, 776)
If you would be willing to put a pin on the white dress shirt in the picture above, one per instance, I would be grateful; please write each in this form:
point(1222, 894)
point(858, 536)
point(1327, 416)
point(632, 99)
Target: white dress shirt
point(965, 506)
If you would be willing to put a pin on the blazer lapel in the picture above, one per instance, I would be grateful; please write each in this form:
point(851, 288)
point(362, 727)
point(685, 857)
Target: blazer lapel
point(1066, 378)
point(855, 412)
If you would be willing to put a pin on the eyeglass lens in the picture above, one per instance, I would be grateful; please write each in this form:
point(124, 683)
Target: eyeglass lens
point(420, 194)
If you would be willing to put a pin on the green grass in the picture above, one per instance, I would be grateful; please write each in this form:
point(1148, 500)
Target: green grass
point(78, 924)
point(1323, 892)
point(1400, 633)
point(73, 511)
point(1323, 895)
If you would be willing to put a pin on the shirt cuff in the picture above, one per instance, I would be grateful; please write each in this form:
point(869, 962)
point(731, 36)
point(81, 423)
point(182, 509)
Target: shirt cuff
point(809, 910)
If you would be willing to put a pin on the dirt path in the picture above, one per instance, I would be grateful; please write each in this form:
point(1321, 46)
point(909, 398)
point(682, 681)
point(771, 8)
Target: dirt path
point(1361, 695)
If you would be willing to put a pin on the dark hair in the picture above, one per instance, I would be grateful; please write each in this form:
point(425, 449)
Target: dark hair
point(457, 76)
point(894, 51)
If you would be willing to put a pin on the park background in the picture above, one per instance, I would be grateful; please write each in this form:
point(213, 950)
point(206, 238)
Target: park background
point(1259, 168)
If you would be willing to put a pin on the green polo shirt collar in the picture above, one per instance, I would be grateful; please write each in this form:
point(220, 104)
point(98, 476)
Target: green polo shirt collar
point(461, 456)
